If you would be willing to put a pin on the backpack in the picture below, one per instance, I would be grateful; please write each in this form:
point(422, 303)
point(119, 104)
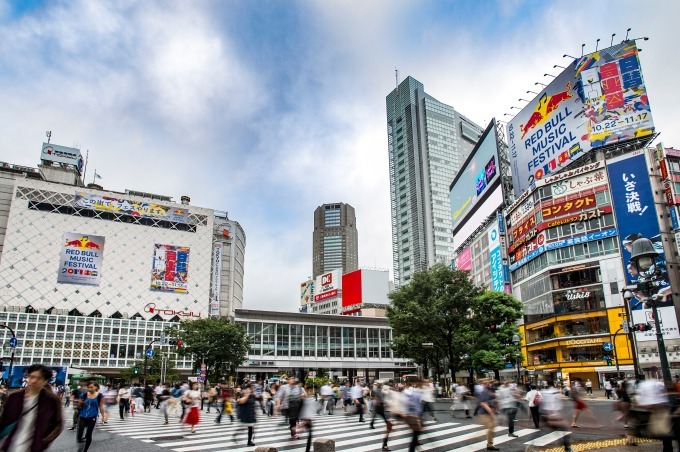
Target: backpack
point(537, 399)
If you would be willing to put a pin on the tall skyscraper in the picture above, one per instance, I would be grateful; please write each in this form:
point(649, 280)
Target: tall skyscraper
point(336, 243)
point(427, 143)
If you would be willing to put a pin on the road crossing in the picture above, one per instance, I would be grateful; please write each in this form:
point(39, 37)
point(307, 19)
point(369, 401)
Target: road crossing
point(349, 434)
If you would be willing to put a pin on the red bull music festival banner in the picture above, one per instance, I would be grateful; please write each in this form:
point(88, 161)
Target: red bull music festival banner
point(81, 259)
point(599, 99)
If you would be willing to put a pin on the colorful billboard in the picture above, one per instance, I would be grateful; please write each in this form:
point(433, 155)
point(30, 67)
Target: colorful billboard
point(134, 208)
point(478, 176)
point(306, 292)
point(667, 319)
point(327, 285)
point(464, 259)
point(62, 154)
point(635, 213)
point(170, 269)
point(81, 259)
point(495, 259)
point(216, 280)
point(599, 99)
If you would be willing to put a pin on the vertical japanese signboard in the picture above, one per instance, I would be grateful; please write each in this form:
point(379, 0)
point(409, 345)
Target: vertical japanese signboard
point(495, 260)
point(636, 217)
point(216, 280)
point(170, 270)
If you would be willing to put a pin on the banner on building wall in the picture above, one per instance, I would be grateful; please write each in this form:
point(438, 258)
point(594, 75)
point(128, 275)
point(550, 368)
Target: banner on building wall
point(216, 280)
point(464, 259)
point(635, 213)
point(495, 259)
point(667, 320)
point(128, 207)
point(19, 377)
point(170, 270)
point(81, 259)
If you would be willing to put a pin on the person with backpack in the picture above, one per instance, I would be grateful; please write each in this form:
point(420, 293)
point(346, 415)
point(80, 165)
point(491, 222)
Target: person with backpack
point(534, 399)
point(91, 406)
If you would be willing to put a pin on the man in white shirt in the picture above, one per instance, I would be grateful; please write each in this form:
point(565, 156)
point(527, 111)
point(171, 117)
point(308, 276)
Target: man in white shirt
point(123, 401)
point(328, 401)
point(357, 393)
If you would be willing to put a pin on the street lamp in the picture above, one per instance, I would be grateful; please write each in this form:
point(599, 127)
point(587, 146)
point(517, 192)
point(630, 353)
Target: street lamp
point(643, 259)
point(515, 340)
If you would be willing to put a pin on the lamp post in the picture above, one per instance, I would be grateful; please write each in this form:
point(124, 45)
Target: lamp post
point(643, 259)
point(627, 296)
point(515, 340)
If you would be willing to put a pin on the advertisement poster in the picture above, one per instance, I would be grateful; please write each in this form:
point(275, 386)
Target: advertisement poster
point(599, 99)
point(495, 260)
point(667, 320)
point(62, 154)
point(306, 292)
point(636, 216)
point(477, 177)
point(327, 285)
point(134, 208)
point(170, 269)
point(216, 280)
point(81, 259)
point(464, 259)
point(20, 375)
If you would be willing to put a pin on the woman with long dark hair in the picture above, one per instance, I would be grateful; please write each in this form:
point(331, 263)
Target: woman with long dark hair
point(246, 412)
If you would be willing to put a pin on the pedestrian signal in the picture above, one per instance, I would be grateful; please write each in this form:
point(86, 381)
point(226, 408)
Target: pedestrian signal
point(135, 370)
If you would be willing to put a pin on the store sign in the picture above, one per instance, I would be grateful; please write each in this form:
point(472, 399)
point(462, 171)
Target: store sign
point(577, 294)
point(216, 280)
point(326, 295)
point(669, 192)
point(571, 206)
point(582, 342)
point(524, 209)
point(528, 248)
point(583, 216)
point(62, 154)
point(151, 308)
point(579, 183)
point(569, 174)
point(674, 217)
point(599, 235)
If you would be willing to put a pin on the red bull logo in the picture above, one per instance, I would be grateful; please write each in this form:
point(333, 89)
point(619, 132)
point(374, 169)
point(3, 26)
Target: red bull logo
point(83, 243)
point(546, 105)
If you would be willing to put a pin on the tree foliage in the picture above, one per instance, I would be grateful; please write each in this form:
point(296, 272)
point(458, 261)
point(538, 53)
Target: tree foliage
point(443, 307)
point(219, 343)
point(153, 370)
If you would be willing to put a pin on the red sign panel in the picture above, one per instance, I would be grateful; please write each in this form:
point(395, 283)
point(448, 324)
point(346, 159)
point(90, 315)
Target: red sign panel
point(325, 295)
point(567, 207)
point(668, 190)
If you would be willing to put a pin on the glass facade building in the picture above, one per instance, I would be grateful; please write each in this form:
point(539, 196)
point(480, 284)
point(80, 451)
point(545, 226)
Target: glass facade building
point(335, 239)
point(427, 143)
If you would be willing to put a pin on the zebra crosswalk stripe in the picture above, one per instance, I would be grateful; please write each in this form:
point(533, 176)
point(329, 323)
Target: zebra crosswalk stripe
point(348, 433)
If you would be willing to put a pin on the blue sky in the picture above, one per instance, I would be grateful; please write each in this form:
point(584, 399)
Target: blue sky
point(269, 109)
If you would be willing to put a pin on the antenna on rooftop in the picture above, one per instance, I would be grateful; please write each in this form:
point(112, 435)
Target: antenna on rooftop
point(396, 76)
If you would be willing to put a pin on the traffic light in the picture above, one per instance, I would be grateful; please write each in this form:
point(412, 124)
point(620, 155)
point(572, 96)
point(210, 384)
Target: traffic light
point(642, 327)
point(609, 362)
point(135, 370)
point(177, 342)
point(492, 328)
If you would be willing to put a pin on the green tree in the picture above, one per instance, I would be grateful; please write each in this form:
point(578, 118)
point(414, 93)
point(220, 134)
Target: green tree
point(495, 321)
point(217, 342)
point(435, 307)
point(153, 371)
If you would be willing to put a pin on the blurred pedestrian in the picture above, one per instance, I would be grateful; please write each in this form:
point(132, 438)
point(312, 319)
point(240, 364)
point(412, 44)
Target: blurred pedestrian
point(192, 400)
point(246, 413)
point(380, 409)
point(551, 413)
point(533, 397)
point(32, 417)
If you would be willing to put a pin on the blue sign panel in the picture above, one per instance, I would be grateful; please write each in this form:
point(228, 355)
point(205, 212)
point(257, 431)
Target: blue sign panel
point(13, 342)
point(608, 346)
point(150, 353)
point(636, 217)
point(674, 217)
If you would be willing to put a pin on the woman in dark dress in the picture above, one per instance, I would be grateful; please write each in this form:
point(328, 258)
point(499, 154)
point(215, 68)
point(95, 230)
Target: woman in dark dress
point(246, 412)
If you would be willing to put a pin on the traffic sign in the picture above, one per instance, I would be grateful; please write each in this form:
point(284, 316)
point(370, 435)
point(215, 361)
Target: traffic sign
point(13, 342)
point(150, 353)
point(608, 346)
point(508, 365)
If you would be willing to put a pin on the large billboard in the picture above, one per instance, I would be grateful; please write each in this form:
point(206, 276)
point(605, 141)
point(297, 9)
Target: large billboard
point(170, 269)
point(464, 259)
point(598, 100)
point(134, 208)
point(19, 377)
point(327, 285)
point(62, 154)
point(306, 292)
point(635, 214)
point(477, 178)
point(81, 259)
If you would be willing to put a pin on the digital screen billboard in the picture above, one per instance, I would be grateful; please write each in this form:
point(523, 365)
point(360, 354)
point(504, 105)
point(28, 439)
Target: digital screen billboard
point(477, 178)
point(598, 100)
point(636, 216)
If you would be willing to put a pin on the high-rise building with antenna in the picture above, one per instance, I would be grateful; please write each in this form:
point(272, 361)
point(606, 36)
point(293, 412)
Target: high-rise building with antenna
point(427, 142)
